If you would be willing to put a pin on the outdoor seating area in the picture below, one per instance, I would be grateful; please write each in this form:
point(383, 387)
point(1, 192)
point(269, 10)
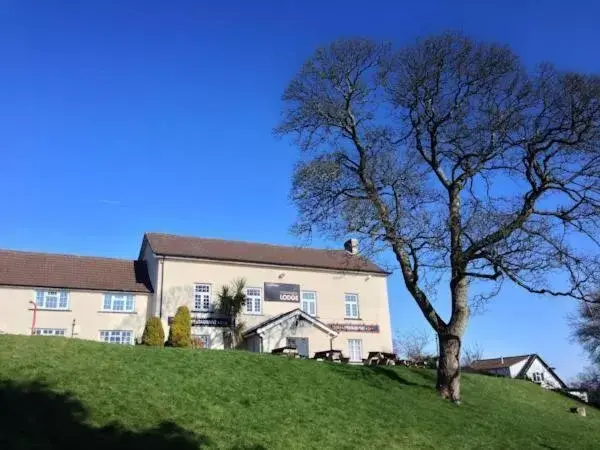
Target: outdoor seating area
point(288, 350)
point(380, 359)
point(331, 355)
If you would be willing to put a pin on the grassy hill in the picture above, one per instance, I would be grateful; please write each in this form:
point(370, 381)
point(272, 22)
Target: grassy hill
point(61, 393)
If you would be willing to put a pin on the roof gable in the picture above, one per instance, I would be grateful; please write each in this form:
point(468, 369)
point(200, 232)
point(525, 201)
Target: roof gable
point(19, 268)
point(535, 357)
point(238, 251)
point(280, 318)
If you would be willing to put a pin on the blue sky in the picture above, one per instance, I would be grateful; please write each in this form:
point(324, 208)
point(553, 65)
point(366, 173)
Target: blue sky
point(119, 117)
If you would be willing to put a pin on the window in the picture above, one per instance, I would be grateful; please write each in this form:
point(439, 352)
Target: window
point(355, 349)
point(50, 331)
point(253, 300)
point(52, 299)
point(351, 305)
point(117, 336)
point(202, 297)
point(118, 302)
point(538, 377)
point(309, 302)
point(204, 338)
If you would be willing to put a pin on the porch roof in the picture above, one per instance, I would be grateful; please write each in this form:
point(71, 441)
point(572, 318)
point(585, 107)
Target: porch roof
point(276, 320)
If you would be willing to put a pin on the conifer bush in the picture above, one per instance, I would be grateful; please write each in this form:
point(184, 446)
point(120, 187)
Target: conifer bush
point(153, 335)
point(180, 332)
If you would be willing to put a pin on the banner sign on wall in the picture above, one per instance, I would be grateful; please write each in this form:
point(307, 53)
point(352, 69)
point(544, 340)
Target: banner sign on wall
point(211, 322)
point(221, 322)
point(357, 327)
point(281, 292)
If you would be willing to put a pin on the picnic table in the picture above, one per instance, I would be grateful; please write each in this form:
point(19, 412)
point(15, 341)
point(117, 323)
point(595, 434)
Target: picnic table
point(381, 359)
point(331, 355)
point(288, 350)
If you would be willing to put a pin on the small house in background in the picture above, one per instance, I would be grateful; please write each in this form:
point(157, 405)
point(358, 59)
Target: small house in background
point(530, 367)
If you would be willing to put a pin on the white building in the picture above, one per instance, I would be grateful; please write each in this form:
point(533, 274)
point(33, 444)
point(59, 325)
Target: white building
point(530, 367)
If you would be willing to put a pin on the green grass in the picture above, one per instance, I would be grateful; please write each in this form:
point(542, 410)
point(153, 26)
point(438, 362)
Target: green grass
point(61, 393)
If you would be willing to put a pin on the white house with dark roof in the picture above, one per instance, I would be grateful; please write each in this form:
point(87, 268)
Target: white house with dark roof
point(530, 367)
point(314, 299)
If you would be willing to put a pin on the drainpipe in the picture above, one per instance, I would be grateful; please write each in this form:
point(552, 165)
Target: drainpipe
point(162, 277)
point(34, 316)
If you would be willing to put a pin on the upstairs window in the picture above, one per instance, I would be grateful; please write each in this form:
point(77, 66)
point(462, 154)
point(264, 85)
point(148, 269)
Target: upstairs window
point(202, 297)
point(351, 306)
point(118, 303)
point(309, 302)
point(52, 300)
point(538, 377)
point(253, 300)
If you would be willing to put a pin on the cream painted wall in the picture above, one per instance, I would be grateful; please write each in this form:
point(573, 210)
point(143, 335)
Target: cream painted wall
point(180, 275)
point(84, 306)
point(276, 337)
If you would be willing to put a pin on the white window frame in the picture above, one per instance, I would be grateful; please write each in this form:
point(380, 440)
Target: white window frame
point(200, 296)
point(205, 338)
point(313, 301)
point(42, 298)
point(49, 331)
point(118, 297)
point(107, 335)
point(352, 351)
point(348, 306)
point(253, 300)
point(537, 377)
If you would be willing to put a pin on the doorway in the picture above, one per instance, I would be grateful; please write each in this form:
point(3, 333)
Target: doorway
point(301, 344)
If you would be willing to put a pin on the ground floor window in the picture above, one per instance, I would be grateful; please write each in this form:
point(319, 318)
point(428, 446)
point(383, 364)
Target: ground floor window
point(355, 349)
point(117, 336)
point(202, 340)
point(50, 331)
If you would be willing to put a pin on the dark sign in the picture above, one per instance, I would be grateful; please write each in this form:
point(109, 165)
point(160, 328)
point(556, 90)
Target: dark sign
point(211, 322)
point(280, 292)
point(221, 322)
point(358, 327)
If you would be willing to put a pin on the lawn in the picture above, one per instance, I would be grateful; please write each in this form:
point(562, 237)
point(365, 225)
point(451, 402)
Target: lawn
point(58, 393)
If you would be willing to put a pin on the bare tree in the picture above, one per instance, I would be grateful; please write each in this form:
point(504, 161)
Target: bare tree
point(458, 160)
point(413, 345)
point(586, 329)
point(471, 354)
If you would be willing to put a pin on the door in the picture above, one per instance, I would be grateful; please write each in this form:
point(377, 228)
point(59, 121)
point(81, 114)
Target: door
point(301, 345)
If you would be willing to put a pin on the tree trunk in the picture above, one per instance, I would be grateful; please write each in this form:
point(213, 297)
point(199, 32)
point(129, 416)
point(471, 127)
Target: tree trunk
point(448, 373)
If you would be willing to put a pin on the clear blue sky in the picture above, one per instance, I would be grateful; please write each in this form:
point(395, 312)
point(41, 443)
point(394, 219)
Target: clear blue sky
point(119, 117)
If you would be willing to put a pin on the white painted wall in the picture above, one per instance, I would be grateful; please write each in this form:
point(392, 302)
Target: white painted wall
point(515, 369)
point(550, 382)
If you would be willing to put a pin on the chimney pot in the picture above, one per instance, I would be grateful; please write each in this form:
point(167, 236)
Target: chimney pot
point(351, 246)
point(502, 360)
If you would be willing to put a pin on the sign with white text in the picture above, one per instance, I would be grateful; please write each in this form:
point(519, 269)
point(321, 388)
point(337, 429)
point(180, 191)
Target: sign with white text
point(356, 327)
point(282, 292)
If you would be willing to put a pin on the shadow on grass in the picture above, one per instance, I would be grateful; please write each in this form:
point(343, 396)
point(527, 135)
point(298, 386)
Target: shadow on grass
point(32, 416)
point(374, 375)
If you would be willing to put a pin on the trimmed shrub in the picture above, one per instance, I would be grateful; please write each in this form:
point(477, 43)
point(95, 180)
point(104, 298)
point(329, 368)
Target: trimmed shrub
point(180, 332)
point(154, 335)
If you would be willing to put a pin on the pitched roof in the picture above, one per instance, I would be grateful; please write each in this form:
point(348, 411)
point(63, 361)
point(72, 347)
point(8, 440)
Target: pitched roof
point(274, 320)
point(497, 363)
point(222, 250)
point(19, 268)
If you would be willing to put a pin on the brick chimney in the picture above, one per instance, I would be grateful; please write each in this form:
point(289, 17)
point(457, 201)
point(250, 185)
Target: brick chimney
point(351, 246)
